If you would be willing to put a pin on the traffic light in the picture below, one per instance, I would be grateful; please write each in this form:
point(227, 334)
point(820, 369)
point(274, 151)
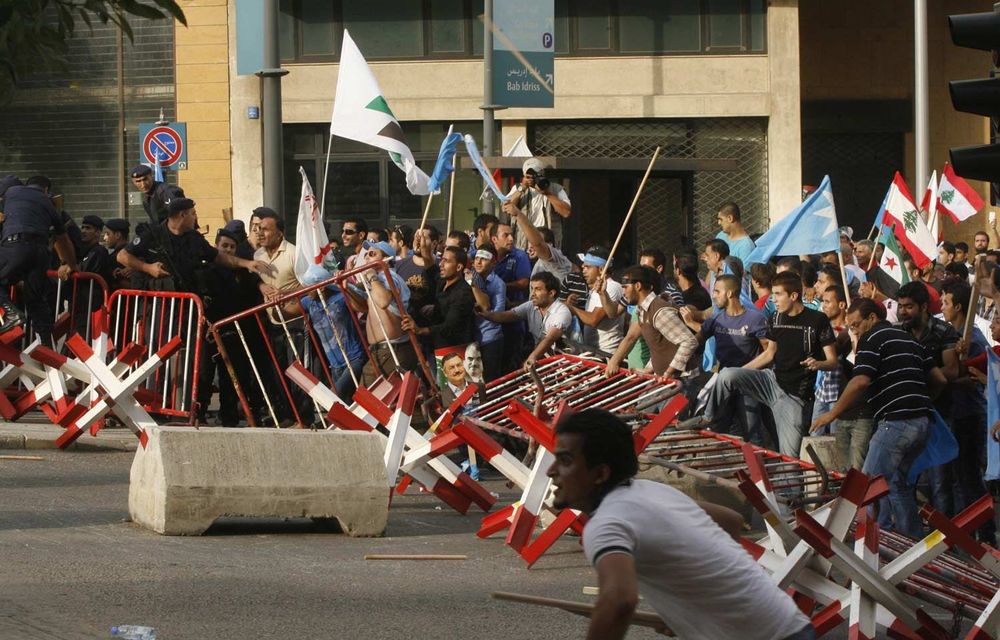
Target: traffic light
point(982, 97)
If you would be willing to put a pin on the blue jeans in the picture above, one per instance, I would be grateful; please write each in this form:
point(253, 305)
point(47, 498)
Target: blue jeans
point(809, 633)
point(343, 383)
point(893, 448)
point(819, 408)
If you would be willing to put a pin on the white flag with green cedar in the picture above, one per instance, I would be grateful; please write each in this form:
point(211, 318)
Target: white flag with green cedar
point(360, 112)
point(892, 259)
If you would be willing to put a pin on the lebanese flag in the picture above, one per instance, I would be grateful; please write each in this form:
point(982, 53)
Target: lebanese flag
point(956, 197)
point(910, 228)
point(928, 206)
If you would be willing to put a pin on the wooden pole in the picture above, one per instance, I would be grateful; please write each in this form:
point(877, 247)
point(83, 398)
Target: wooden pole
point(639, 618)
point(970, 312)
point(871, 260)
point(843, 276)
point(427, 210)
point(451, 196)
point(628, 216)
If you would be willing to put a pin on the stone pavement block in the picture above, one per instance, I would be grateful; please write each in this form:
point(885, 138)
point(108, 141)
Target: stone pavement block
point(185, 478)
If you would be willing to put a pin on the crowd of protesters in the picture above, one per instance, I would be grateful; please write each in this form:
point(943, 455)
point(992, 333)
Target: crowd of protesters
point(771, 351)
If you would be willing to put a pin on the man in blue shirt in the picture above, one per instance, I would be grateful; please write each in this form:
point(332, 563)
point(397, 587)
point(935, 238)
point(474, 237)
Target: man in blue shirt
point(331, 320)
point(513, 267)
point(733, 233)
point(491, 294)
point(28, 215)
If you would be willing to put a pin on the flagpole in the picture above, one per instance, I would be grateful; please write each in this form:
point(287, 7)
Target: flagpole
point(871, 260)
point(427, 210)
point(451, 198)
point(970, 311)
point(628, 215)
point(843, 276)
point(326, 172)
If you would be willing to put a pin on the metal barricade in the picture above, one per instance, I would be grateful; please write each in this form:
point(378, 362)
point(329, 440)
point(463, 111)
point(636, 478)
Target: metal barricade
point(80, 306)
point(152, 319)
point(247, 343)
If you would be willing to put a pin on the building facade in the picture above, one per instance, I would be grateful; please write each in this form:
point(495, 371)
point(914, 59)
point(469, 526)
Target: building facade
point(748, 99)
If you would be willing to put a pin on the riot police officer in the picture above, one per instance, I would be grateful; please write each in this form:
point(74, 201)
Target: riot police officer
point(173, 252)
point(27, 218)
point(156, 196)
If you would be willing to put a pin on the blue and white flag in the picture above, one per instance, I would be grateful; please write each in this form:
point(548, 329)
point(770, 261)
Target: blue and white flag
point(810, 228)
point(477, 160)
point(992, 414)
point(445, 163)
point(880, 218)
point(941, 447)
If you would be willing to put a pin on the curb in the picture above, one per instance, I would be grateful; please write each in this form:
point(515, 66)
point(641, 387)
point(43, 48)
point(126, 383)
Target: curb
point(40, 436)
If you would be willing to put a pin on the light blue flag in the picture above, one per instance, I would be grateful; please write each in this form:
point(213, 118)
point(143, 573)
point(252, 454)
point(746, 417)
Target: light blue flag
point(880, 217)
point(444, 165)
point(992, 414)
point(477, 160)
point(810, 228)
point(941, 447)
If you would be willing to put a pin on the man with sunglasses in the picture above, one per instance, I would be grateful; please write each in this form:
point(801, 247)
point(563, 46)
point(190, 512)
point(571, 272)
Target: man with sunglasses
point(353, 233)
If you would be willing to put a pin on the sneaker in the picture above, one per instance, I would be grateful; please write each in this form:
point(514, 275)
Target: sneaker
point(10, 317)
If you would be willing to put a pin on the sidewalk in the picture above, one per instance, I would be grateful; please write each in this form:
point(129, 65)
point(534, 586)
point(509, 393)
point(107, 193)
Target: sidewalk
point(34, 435)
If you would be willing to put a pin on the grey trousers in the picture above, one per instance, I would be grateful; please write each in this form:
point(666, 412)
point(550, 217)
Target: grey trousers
point(790, 412)
point(852, 440)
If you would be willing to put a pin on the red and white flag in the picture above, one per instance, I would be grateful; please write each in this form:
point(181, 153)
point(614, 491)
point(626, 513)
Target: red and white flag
point(928, 206)
point(956, 197)
point(311, 241)
point(910, 229)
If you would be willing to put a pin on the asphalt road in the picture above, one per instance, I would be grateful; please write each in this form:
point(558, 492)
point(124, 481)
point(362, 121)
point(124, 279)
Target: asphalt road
point(72, 565)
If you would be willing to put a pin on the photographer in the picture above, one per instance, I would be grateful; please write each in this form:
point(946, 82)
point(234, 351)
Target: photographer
point(539, 198)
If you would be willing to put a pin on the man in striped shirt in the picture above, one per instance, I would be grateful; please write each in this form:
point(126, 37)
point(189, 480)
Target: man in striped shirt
point(900, 378)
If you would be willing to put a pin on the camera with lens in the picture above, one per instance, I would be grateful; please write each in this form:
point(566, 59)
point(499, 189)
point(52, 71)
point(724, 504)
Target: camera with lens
point(542, 183)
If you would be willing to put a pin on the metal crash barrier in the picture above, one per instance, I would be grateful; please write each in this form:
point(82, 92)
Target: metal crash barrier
point(258, 346)
point(152, 319)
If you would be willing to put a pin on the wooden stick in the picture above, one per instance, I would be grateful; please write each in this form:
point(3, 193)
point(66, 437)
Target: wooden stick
point(640, 618)
point(871, 260)
point(405, 556)
point(628, 216)
point(451, 196)
point(843, 277)
point(35, 458)
point(970, 312)
point(427, 210)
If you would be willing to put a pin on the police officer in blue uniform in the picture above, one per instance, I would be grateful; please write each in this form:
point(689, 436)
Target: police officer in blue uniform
point(28, 216)
point(171, 253)
point(156, 196)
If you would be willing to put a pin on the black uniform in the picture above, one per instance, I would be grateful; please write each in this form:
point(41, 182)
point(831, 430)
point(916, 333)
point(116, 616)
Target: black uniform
point(29, 215)
point(157, 201)
point(184, 256)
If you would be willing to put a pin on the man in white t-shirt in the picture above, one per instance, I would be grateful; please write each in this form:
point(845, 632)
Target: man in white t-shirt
point(647, 537)
point(545, 202)
point(601, 331)
point(547, 317)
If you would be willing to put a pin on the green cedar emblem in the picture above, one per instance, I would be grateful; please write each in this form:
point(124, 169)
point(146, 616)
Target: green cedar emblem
point(947, 196)
point(910, 220)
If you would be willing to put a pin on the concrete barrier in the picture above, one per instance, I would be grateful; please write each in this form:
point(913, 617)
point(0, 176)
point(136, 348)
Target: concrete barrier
point(186, 478)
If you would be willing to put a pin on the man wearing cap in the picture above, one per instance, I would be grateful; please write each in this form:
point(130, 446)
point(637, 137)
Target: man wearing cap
point(96, 258)
point(156, 196)
point(28, 216)
point(389, 345)
point(602, 332)
point(237, 231)
point(854, 271)
point(540, 198)
point(176, 244)
point(491, 294)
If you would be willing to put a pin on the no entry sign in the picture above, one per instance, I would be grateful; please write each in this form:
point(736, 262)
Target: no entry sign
point(166, 143)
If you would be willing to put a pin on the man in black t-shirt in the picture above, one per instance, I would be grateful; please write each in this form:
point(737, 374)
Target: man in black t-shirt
point(800, 342)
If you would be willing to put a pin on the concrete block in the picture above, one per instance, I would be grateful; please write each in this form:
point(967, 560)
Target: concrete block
point(829, 455)
point(186, 478)
point(698, 489)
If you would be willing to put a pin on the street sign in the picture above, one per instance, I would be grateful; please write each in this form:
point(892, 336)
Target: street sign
point(168, 142)
point(524, 33)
